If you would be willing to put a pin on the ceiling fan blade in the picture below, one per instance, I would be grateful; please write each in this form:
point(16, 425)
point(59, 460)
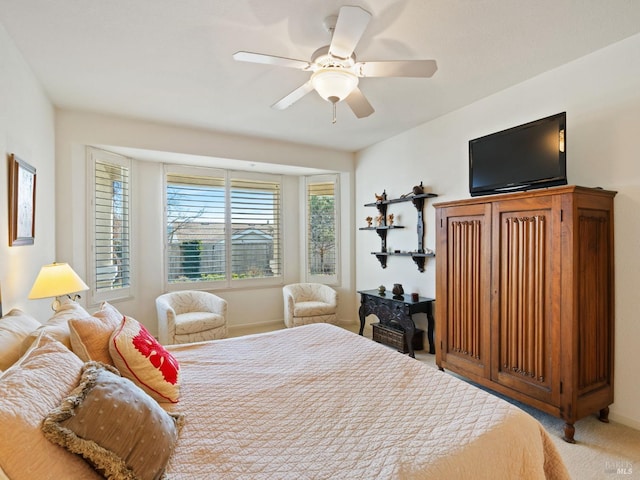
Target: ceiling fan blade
point(293, 97)
point(399, 68)
point(359, 104)
point(351, 24)
point(270, 60)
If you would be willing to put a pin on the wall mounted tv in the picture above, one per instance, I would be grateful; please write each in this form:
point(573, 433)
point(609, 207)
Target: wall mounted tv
point(525, 157)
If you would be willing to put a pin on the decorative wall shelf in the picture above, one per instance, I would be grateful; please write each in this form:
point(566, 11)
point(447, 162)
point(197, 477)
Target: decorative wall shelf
point(419, 256)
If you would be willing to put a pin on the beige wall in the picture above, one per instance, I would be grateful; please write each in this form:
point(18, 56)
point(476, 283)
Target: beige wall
point(26, 130)
point(601, 97)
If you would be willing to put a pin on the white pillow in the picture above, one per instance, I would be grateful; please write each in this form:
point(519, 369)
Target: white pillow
point(90, 335)
point(15, 326)
point(57, 326)
point(29, 390)
point(141, 358)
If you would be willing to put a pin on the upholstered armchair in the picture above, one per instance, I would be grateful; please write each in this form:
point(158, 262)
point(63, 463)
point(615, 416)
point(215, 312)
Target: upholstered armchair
point(309, 303)
point(190, 316)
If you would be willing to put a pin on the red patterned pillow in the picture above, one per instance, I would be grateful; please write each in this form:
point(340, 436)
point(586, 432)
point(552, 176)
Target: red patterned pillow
point(140, 358)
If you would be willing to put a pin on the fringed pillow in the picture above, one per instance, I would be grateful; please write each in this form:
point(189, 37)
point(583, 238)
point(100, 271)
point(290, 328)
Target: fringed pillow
point(114, 425)
point(142, 359)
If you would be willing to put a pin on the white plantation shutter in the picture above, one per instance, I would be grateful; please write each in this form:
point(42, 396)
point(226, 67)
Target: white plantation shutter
point(222, 226)
point(255, 235)
point(195, 228)
point(322, 228)
point(109, 271)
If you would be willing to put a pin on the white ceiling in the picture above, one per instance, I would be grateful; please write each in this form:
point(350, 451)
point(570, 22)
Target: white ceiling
point(170, 61)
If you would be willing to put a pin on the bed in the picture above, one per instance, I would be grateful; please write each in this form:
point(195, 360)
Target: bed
point(320, 402)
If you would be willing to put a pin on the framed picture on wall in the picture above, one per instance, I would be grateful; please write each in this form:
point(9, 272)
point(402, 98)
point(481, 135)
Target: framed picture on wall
point(22, 202)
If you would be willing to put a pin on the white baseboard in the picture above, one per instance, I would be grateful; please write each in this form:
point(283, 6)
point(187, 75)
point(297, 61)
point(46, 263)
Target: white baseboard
point(270, 325)
point(277, 325)
point(624, 420)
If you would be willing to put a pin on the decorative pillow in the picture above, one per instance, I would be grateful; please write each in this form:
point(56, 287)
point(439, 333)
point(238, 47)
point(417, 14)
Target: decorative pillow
point(57, 326)
point(29, 390)
point(140, 358)
point(114, 425)
point(90, 336)
point(15, 326)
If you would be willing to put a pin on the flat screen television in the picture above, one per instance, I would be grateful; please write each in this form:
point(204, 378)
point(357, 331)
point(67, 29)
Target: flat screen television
point(525, 157)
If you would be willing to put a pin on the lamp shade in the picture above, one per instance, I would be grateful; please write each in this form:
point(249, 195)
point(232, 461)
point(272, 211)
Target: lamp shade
point(334, 84)
point(56, 279)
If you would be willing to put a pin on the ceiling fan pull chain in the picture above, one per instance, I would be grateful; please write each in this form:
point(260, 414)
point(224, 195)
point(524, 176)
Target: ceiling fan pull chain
point(334, 112)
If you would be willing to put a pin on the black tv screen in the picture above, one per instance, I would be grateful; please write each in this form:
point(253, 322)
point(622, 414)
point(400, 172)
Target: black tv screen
point(528, 156)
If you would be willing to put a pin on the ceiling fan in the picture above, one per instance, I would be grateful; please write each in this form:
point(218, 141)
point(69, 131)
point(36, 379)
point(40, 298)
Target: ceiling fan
point(335, 71)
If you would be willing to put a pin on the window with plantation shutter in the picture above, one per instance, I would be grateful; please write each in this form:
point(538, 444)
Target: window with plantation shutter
point(109, 272)
point(195, 206)
point(222, 227)
point(322, 228)
point(255, 221)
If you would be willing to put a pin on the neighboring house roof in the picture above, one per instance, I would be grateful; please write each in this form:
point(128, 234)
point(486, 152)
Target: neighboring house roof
point(247, 233)
point(252, 235)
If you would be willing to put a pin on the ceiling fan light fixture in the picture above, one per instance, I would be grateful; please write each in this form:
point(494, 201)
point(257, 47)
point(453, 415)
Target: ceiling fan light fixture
point(334, 84)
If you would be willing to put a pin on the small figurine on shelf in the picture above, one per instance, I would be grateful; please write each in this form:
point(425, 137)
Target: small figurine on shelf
point(379, 220)
point(381, 198)
point(369, 220)
point(417, 190)
point(418, 202)
point(390, 219)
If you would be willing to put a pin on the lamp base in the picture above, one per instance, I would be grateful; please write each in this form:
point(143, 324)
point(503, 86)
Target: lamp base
point(61, 300)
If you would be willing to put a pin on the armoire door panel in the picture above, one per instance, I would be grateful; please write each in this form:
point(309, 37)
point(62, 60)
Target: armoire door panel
point(464, 300)
point(523, 320)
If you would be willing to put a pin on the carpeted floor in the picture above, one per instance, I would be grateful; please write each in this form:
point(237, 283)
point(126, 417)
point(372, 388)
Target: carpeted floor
point(603, 451)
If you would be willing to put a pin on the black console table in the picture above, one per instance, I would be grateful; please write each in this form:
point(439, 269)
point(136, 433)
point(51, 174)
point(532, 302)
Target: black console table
point(397, 309)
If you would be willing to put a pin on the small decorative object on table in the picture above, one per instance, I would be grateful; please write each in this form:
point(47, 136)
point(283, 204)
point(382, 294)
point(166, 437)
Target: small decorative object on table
point(369, 220)
point(379, 220)
point(390, 219)
point(397, 291)
point(382, 289)
point(393, 335)
point(415, 297)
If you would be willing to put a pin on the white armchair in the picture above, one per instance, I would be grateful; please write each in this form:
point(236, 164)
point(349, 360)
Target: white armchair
point(190, 316)
point(309, 303)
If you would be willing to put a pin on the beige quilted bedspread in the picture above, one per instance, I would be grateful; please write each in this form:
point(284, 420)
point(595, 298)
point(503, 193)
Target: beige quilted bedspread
point(319, 402)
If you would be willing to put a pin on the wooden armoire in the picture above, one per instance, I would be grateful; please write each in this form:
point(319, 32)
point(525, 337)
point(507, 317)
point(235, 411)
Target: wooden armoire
point(525, 291)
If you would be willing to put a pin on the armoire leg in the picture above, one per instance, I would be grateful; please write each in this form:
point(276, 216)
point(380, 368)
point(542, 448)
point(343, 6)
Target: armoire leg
point(569, 431)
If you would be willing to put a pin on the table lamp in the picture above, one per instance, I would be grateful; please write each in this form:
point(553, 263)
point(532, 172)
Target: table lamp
point(55, 280)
